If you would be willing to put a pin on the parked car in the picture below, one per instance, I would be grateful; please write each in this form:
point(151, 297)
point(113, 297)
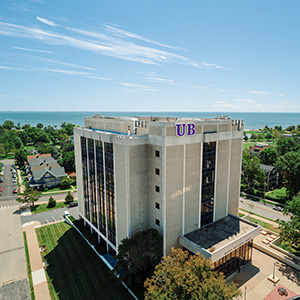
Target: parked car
point(13, 175)
point(73, 204)
point(66, 214)
point(15, 191)
point(14, 180)
point(1, 190)
point(13, 171)
point(278, 208)
point(1, 179)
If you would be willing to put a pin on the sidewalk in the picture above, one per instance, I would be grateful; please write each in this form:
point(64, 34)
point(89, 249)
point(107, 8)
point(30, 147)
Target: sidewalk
point(21, 186)
point(258, 217)
point(40, 285)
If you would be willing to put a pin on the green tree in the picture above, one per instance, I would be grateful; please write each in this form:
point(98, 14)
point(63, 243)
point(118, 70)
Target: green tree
point(285, 145)
point(68, 161)
point(18, 143)
point(290, 230)
point(29, 196)
point(138, 256)
point(252, 173)
point(39, 125)
point(8, 124)
point(66, 183)
point(289, 166)
point(269, 156)
point(20, 157)
point(69, 198)
point(51, 202)
point(184, 276)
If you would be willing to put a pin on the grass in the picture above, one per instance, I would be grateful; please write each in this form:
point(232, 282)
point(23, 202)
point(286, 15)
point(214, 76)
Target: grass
point(249, 212)
point(28, 267)
point(56, 191)
point(74, 271)
point(263, 224)
point(36, 209)
point(241, 215)
point(247, 145)
point(279, 195)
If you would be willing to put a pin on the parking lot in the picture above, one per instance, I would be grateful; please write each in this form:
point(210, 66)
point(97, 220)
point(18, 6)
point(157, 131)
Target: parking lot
point(7, 198)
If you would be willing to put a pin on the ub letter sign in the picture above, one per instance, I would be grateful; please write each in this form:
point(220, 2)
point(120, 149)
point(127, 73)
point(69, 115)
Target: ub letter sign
point(185, 129)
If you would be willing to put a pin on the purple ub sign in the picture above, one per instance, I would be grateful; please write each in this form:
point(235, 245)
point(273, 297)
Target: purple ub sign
point(185, 129)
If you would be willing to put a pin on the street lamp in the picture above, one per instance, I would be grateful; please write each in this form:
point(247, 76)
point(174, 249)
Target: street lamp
point(245, 292)
point(275, 263)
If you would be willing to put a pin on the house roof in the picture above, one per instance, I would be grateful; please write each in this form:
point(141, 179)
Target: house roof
point(267, 168)
point(30, 157)
point(42, 164)
point(56, 172)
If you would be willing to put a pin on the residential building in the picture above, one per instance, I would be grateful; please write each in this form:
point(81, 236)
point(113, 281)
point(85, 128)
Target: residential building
point(257, 148)
point(178, 175)
point(271, 176)
point(43, 171)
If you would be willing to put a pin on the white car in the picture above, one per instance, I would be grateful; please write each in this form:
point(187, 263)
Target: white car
point(66, 214)
point(14, 180)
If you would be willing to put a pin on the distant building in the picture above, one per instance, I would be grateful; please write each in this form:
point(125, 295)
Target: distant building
point(43, 171)
point(271, 176)
point(180, 176)
point(257, 148)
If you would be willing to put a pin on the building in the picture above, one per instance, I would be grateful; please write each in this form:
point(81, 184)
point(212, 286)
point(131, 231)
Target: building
point(257, 148)
point(271, 176)
point(43, 171)
point(178, 175)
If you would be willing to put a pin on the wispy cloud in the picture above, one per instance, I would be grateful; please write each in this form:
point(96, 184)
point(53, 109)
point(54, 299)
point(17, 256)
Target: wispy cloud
point(67, 72)
point(14, 96)
point(138, 87)
point(46, 21)
point(260, 92)
point(125, 33)
point(33, 50)
point(113, 45)
point(162, 80)
point(245, 100)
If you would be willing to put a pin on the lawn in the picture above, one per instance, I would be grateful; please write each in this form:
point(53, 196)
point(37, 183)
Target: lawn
point(74, 270)
point(247, 145)
point(278, 195)
point(262, 223)
point(36, 209)
point(28, 267)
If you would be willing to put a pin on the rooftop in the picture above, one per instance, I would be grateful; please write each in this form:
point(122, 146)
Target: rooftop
point(220, 233)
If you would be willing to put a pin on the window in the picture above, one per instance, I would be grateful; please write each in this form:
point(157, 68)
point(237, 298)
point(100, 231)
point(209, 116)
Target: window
point(156, 171)
point(157, 188)
point(157, 153)
point(157, 205)
point(157, 222)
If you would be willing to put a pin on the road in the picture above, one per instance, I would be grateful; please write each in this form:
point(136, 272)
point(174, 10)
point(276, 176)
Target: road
point(263, 210)
point(13, 267)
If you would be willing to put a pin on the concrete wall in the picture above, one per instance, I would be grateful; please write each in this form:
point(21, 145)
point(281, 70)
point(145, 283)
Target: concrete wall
point(174, 196)
point(139, 180)
point(235, 176)
point(221, 179)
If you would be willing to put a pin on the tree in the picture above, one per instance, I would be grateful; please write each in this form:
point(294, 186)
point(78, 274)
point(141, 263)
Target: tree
point(68, 161)
point(252, 173)
point(20, 157)
point(269, 156)
point(66, 183)
point(284, 145)
point(138, 256)
point(29, 196)
point(290, 230)
point(39, 125)
point(18, 143)
point(184, 276)
point(8, 124)
point(51, 202)
point(69, 198)
point(289, 166)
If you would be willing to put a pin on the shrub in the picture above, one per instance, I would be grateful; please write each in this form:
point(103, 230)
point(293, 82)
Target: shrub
point(69, 198)
point(66, 183)
point(51, 202)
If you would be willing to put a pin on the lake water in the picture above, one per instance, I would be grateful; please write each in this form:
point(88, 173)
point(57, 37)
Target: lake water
point(252, 120)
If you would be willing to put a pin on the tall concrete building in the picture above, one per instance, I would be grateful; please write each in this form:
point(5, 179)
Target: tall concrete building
point(178, 175)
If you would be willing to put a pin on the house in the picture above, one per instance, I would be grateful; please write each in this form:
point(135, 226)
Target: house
point(257, 148)
point(271, 176)
point(43, 171)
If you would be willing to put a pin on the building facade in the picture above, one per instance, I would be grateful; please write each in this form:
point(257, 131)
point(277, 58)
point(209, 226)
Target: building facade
point(174, 174)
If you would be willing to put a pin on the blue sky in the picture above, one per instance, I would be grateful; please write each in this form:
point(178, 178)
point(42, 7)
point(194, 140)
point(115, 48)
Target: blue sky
point(222, 56)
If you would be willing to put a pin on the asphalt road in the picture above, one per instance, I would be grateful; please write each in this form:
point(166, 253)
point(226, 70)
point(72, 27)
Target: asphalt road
point(263, 210)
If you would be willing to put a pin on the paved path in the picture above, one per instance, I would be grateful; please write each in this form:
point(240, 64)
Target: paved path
point(40, 285)
point(259, 218)
point(13, 267)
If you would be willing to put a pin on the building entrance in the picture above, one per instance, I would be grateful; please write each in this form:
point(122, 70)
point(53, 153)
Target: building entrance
point(235, 259)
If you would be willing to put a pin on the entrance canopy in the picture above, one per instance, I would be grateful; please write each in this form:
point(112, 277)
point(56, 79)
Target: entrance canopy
point(220, 238)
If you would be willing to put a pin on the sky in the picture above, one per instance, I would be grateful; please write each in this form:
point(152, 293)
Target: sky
point(150, 55)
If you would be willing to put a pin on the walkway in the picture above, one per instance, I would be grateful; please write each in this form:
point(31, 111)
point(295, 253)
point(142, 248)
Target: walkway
point(40, 285)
